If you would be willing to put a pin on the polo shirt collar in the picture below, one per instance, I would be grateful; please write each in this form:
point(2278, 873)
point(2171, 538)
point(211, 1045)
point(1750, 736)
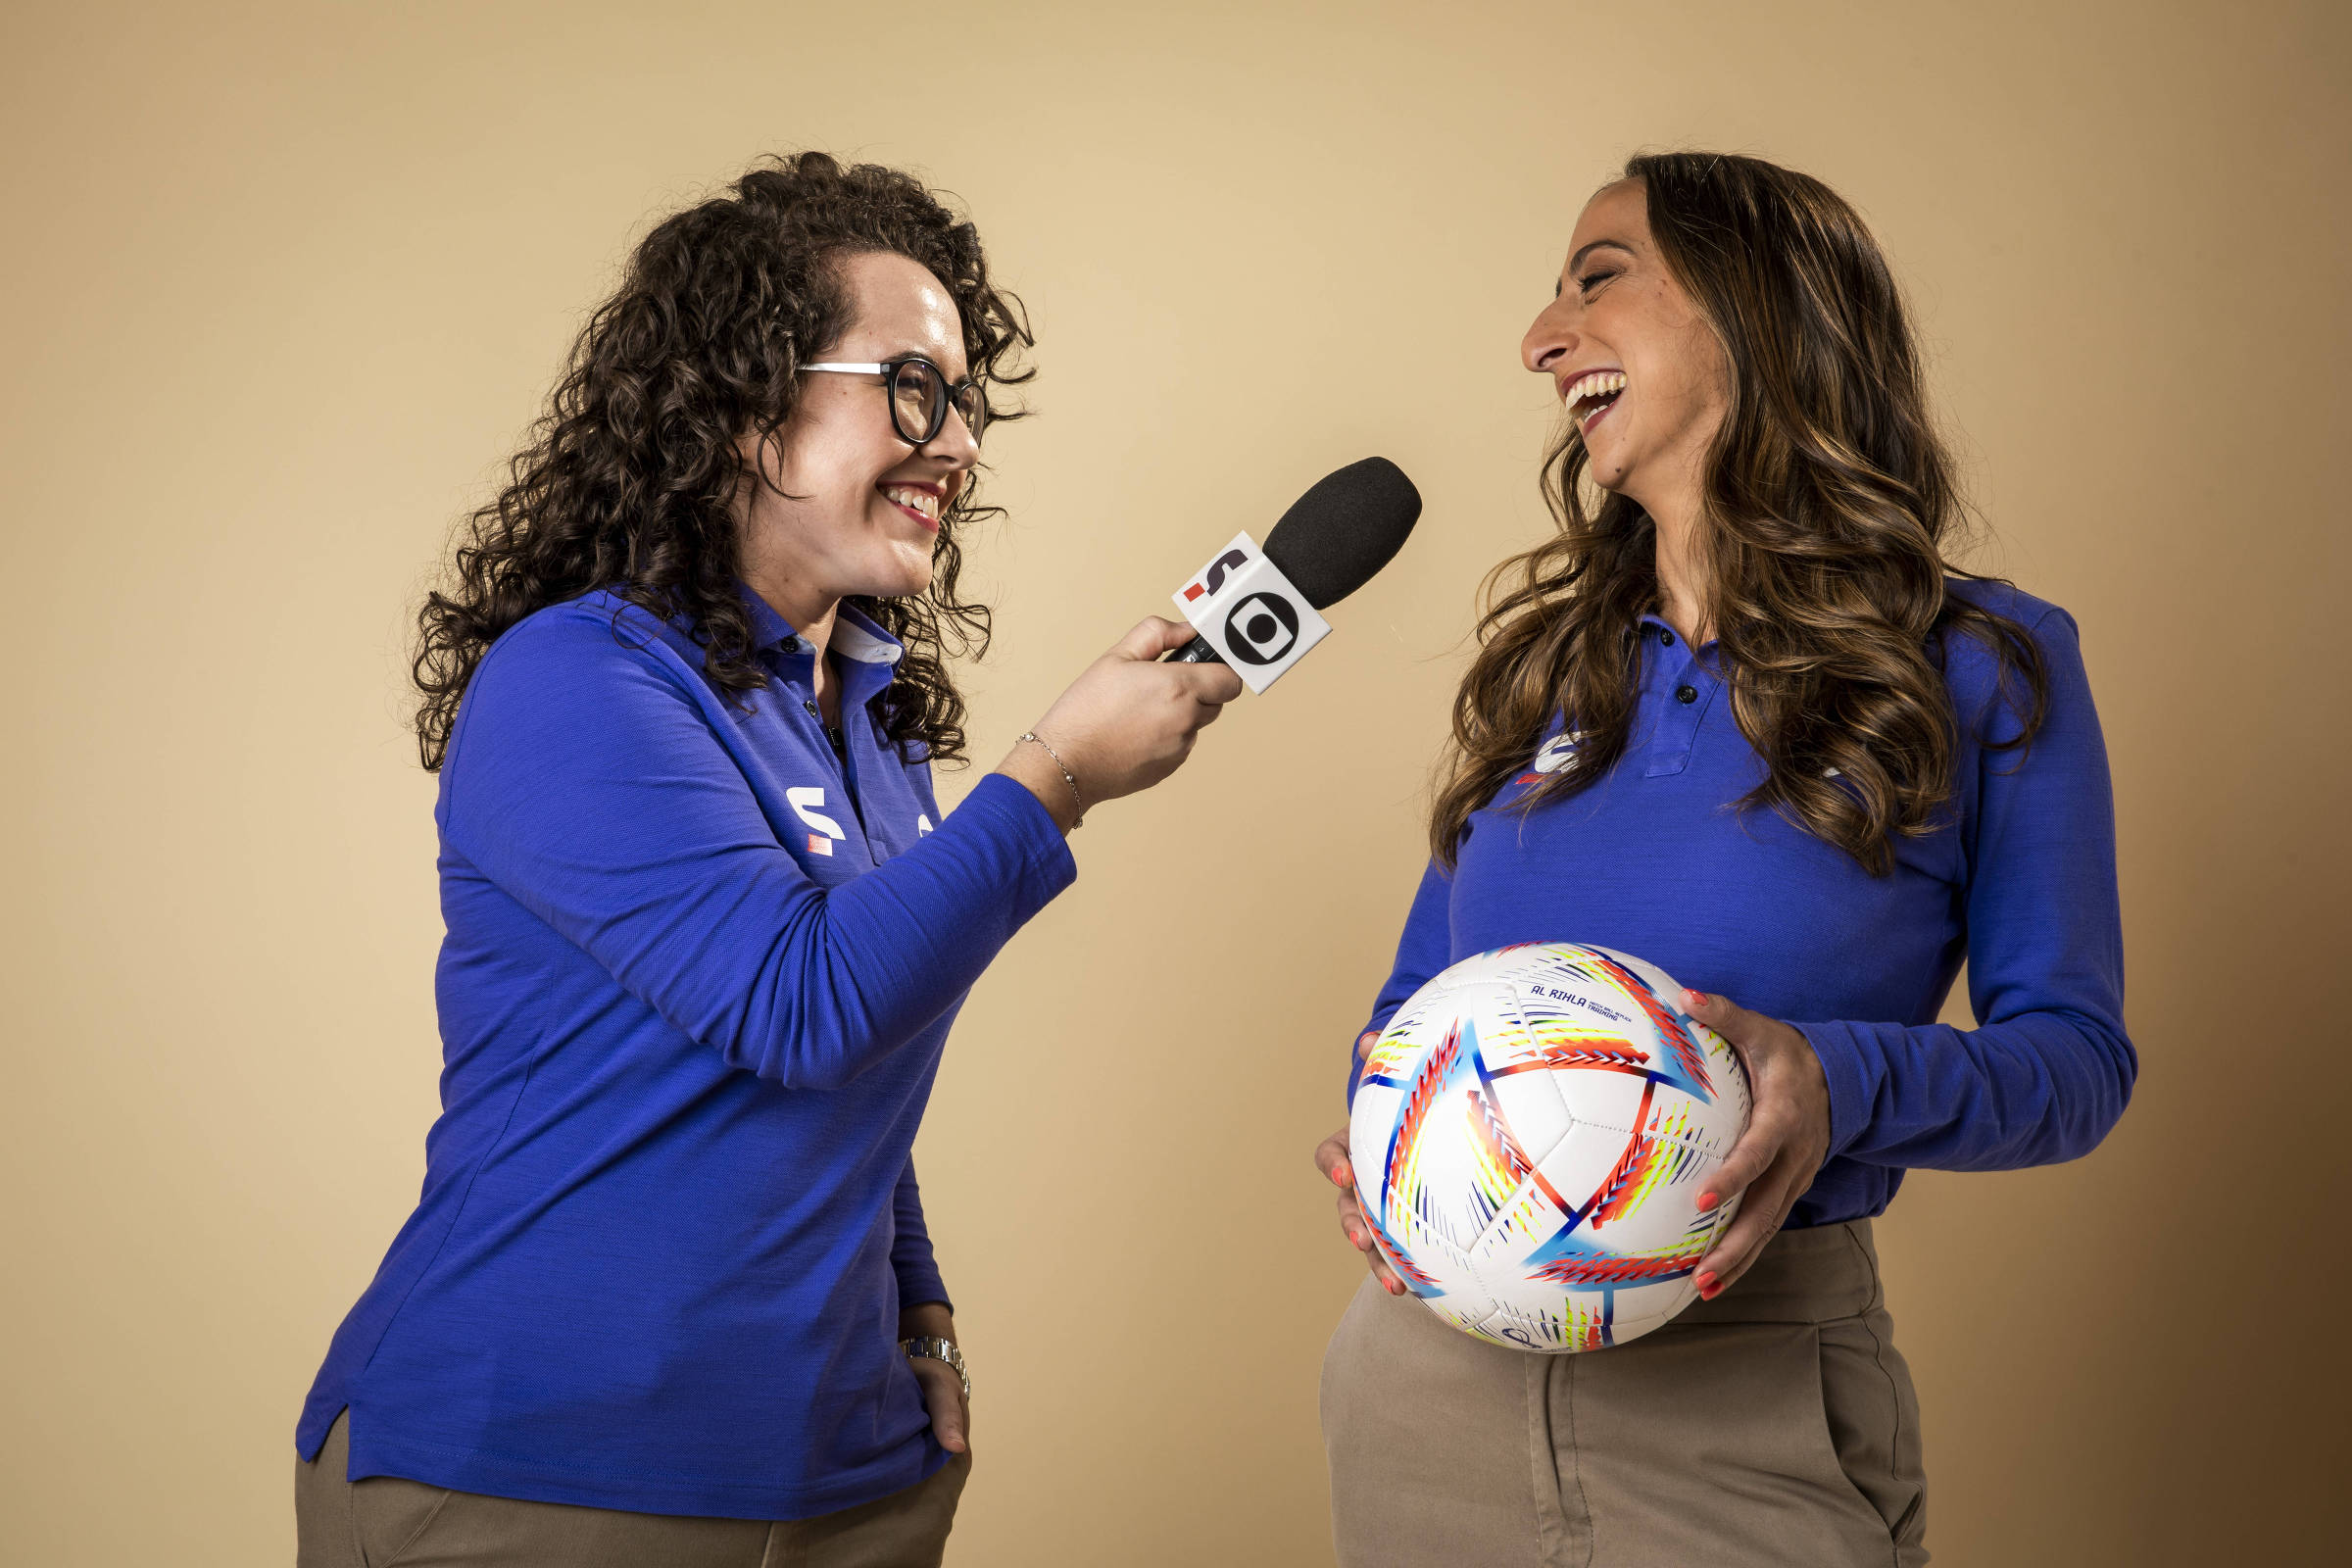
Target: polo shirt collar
point(1707, 657)
point(856, 636)
point(1653, 623)
point(767, 627)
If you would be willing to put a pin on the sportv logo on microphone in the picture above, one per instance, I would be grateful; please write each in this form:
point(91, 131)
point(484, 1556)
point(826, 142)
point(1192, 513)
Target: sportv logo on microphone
point(1248, 612)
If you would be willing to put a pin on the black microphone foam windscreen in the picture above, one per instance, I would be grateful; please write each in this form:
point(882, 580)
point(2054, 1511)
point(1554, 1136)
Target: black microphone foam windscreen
point(1344, 529)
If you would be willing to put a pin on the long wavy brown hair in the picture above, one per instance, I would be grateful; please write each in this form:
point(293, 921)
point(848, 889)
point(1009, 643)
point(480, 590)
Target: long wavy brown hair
point(1828, 501)
point(627, 478)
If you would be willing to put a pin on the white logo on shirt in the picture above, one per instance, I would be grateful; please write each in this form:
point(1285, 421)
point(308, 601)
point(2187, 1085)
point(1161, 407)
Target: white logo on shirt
point(922, 823)
point(804, 804)
point(1557, 752)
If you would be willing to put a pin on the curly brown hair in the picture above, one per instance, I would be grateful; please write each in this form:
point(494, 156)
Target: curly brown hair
point(1826, 501)
point(627, 478)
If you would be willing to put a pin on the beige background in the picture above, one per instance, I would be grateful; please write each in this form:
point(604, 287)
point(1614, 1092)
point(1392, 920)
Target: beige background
point(282, 286)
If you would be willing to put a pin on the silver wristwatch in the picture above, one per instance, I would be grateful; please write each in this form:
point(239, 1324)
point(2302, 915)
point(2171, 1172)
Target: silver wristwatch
point(939, 1349)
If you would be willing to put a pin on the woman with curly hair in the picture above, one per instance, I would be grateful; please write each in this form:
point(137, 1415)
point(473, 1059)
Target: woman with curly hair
point(667, 1295)
point(1740, 716)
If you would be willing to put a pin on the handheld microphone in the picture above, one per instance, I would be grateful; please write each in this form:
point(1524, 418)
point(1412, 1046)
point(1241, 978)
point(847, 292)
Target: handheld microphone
point(1257, 610)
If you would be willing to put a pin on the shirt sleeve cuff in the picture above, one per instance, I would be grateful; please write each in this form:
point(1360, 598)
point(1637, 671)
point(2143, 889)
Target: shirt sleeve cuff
point(1030, 827)
point(1849, 1091)
point(922, 1288)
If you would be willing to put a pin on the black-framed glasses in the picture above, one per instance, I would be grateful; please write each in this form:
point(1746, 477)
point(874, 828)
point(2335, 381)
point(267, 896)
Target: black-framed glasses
point(920, 396)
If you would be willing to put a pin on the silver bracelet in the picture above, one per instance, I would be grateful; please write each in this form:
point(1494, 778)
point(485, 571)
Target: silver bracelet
point(939, 1349)
point(1068, 777)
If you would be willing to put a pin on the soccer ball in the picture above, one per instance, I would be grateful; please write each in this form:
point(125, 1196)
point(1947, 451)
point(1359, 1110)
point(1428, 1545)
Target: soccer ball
point(1530, 1137)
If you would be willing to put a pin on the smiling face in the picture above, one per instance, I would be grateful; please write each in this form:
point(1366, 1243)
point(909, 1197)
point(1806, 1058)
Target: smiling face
point(1632, 357)
point(849, 508)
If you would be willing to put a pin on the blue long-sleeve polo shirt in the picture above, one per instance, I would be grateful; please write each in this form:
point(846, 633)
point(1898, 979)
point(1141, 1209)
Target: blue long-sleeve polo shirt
point(696, 982)
point(1653, 859)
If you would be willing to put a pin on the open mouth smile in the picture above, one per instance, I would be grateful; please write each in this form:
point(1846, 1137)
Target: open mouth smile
point(1590, 396)
point(921, 502)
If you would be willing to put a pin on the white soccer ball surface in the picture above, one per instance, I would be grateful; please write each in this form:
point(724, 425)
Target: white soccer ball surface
point(1530, 1137)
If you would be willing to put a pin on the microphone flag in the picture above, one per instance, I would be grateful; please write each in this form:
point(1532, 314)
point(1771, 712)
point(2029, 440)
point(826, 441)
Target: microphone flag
point(1244, 607)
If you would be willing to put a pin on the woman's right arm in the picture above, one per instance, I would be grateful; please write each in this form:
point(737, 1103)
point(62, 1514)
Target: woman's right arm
point(1424, 949)
point(1124, 726)
point(587, 782)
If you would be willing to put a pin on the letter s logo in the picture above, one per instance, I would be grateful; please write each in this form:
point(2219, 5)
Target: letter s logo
point(1230, 560)
point(803, 804)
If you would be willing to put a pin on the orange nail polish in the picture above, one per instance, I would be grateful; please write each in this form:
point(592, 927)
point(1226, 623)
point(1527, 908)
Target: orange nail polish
point(1707, 1203)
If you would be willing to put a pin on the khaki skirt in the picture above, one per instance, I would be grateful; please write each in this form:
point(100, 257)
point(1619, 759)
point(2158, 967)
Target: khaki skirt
point(1773, 1425)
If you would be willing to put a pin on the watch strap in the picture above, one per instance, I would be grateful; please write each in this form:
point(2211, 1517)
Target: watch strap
point(933, 1348)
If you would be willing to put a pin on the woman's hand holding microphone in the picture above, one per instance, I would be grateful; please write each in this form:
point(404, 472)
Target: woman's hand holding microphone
point(1123, 725)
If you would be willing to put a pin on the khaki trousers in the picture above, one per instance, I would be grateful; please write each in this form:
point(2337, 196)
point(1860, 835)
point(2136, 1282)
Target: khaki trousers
point(383, 1522)
point(1774, 1425)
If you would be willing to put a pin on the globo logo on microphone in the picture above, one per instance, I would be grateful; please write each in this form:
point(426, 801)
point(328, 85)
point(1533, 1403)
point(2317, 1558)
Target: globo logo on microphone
point(1262, 628)
point(1251, 614)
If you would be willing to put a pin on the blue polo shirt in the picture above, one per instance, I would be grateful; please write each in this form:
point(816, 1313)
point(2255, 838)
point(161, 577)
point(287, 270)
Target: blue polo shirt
point(1653, 859)
point(696, 982)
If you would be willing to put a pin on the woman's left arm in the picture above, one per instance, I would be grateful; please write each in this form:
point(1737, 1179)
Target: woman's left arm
point(911, 1258)
point(943, 1398)
point(2048, 1069)
point(926, 1312)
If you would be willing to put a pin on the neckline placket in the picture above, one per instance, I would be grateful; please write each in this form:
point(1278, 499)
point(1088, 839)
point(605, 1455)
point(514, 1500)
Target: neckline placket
point(1678, 687)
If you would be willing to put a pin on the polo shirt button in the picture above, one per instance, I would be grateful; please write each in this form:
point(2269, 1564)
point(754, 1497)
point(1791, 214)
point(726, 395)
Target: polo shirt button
point(1665, 638)
point(1685, 695)
point(811, 706)
point(791, 645)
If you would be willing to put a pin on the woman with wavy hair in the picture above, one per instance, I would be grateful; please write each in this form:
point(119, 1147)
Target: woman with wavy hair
point(1742, 716)
point(667, 1295)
